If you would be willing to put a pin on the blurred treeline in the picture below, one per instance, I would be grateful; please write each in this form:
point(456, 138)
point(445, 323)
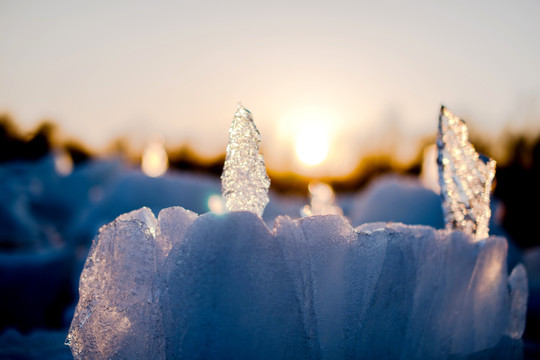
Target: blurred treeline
point(516, 186)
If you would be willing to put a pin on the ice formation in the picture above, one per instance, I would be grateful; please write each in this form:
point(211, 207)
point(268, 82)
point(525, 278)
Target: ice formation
point(465, 178)
point(322, 201)
point(226, 286)
point(244, 180)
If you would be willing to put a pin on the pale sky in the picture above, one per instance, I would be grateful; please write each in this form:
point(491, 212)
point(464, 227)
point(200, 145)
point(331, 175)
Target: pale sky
point(142, 69)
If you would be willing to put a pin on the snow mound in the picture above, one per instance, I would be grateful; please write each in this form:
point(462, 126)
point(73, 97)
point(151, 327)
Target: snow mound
point(398, 199)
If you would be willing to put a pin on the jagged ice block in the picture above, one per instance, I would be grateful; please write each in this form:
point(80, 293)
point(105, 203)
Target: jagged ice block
point(184, 286)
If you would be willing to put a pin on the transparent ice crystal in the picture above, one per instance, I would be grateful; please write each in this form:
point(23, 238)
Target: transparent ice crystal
point(244, 180)
point(465, 178)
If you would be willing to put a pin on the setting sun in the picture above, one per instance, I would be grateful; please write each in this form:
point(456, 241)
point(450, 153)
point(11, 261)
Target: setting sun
point(312, 144)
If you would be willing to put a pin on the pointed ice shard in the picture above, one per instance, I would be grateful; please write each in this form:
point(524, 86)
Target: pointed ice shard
point(465, 178)
point(244, 180)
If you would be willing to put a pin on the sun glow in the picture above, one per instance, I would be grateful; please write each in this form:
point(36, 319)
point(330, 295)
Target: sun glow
point(312, 144)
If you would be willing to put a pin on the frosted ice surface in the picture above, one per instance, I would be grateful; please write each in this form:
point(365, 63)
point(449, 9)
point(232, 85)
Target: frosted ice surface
point(117, 315)
point(144, 215)
point(230, 294)
point(424, 279)
point(294, 246)
point(328, 242)
point(244, 180)
point(465, 178)
point(519, 292)
point(215, 286)
point(173, 223)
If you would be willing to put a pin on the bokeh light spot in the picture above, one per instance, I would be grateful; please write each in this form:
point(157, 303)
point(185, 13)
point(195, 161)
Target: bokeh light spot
point(154, 160)
point(216, 204)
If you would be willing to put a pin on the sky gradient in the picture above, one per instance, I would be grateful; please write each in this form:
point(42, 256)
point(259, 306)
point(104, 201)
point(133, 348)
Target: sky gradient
point(371, 73)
